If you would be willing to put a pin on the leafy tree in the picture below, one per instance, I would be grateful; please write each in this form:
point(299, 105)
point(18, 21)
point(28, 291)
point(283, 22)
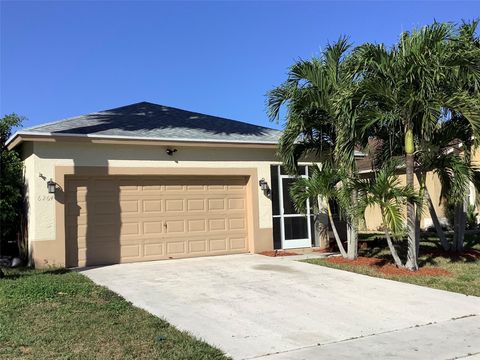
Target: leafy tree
point(11, 182)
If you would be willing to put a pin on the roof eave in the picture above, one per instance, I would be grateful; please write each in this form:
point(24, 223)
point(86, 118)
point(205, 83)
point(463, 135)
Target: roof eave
point(22, 136)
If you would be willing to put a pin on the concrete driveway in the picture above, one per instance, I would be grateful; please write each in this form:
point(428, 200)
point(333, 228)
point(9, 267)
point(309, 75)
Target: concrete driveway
point(252, 306)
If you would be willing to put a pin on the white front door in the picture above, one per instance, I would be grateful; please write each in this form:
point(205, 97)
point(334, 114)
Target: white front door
point(295, 228)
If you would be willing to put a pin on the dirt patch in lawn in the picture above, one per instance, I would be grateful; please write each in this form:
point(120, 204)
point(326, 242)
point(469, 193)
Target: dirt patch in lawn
point(275, 253)
point(385, 267)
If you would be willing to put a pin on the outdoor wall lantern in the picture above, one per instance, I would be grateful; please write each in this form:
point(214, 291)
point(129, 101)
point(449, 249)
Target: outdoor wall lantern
point(170, 152)
point(264, 186)
point(51, 186)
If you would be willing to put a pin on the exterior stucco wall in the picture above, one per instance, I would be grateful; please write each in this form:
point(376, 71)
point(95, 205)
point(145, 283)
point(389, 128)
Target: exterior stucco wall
point(40, 167)
point(373, 216)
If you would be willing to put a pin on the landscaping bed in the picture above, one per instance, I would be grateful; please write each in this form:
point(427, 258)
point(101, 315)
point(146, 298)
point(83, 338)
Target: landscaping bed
point(55, 313)
point(275, 253)
point(438, 269)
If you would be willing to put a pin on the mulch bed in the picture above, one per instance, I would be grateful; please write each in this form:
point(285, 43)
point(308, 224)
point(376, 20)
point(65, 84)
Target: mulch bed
point(387, 268)
point(275, 253)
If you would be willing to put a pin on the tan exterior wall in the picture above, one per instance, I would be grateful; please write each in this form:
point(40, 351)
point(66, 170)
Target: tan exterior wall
point(48, 157)
point(373, 216)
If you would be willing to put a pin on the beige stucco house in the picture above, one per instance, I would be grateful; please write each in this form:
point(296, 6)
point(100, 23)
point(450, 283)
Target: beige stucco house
point(148, 182)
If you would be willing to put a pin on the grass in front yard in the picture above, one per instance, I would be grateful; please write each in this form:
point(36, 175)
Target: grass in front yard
point(57, 314)
point(464, 269)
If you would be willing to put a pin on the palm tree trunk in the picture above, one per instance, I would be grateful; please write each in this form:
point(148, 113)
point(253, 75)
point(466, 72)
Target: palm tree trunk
point(352, 248)
point(459, 226)
point(436, 222)
point(412, 254)
point(457, 220)
point(335, 233)
point(395, 256)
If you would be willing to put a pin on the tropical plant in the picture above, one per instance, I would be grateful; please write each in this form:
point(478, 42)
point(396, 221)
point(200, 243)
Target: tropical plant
point(325, 184)
point(472, 217)
point(314, 122)
point(383, 189)
point(414, 86)
point(11, 182)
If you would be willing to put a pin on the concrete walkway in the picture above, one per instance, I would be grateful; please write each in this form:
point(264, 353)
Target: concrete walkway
point(256, 307)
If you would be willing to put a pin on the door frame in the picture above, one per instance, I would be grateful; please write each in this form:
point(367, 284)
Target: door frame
point(293, 243)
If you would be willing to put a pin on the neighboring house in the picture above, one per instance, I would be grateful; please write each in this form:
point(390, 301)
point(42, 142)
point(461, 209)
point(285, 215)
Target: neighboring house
point(148, 182)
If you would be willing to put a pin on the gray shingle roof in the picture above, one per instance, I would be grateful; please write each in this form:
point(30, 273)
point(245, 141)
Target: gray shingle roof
point(147, 120)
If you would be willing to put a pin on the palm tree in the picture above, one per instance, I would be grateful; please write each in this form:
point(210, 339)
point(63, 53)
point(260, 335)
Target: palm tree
point(313, 120)
point(411, 86)
point(383, 189)
point(323, 183)
point(440, 156)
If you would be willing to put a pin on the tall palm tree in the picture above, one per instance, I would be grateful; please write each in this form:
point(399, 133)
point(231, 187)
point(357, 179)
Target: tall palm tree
point(383, 189)
point(313, 121)
point(439, 155)
point(323, 183)
point(406, 87)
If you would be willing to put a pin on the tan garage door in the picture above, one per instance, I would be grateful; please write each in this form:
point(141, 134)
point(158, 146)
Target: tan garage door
point(115, 219)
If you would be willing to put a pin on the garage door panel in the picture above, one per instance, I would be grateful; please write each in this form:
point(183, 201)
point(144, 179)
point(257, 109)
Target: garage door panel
point(174, 226)
point(237, 224)
point(174, 205)
point(155, 250)
point(176, 248)
point(196, 205)
point(197, 246)
point(115, 219)
point(238, 243)
point(152, 227)
point(130, 251)
point(217, 244)
point(196, 225)
point(152, 206)
point(216, 204)
point(217, 224)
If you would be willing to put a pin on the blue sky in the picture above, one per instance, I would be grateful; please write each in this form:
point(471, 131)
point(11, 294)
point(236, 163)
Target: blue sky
point(66, 58)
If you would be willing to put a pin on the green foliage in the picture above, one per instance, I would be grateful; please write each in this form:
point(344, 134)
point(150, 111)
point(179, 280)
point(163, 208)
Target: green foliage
point(11, 182)
point(472, 215)
point(313, 121)
point(424, 90)
point(322, 182)
point(383, 189)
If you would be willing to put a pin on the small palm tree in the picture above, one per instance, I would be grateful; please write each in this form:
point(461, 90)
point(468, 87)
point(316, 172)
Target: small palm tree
point(323, 183)
point(383, 189)
point(315, 123)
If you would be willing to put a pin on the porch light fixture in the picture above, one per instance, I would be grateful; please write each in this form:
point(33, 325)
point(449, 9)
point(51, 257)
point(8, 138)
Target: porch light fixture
point(264, 186)
point(51, 186)
point(170, 152)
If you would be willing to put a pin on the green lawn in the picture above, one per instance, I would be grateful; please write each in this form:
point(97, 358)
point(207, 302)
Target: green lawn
point(57, 314)
point(464, 269)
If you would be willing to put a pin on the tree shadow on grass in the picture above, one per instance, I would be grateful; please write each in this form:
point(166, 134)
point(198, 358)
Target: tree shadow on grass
point(22, 272)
